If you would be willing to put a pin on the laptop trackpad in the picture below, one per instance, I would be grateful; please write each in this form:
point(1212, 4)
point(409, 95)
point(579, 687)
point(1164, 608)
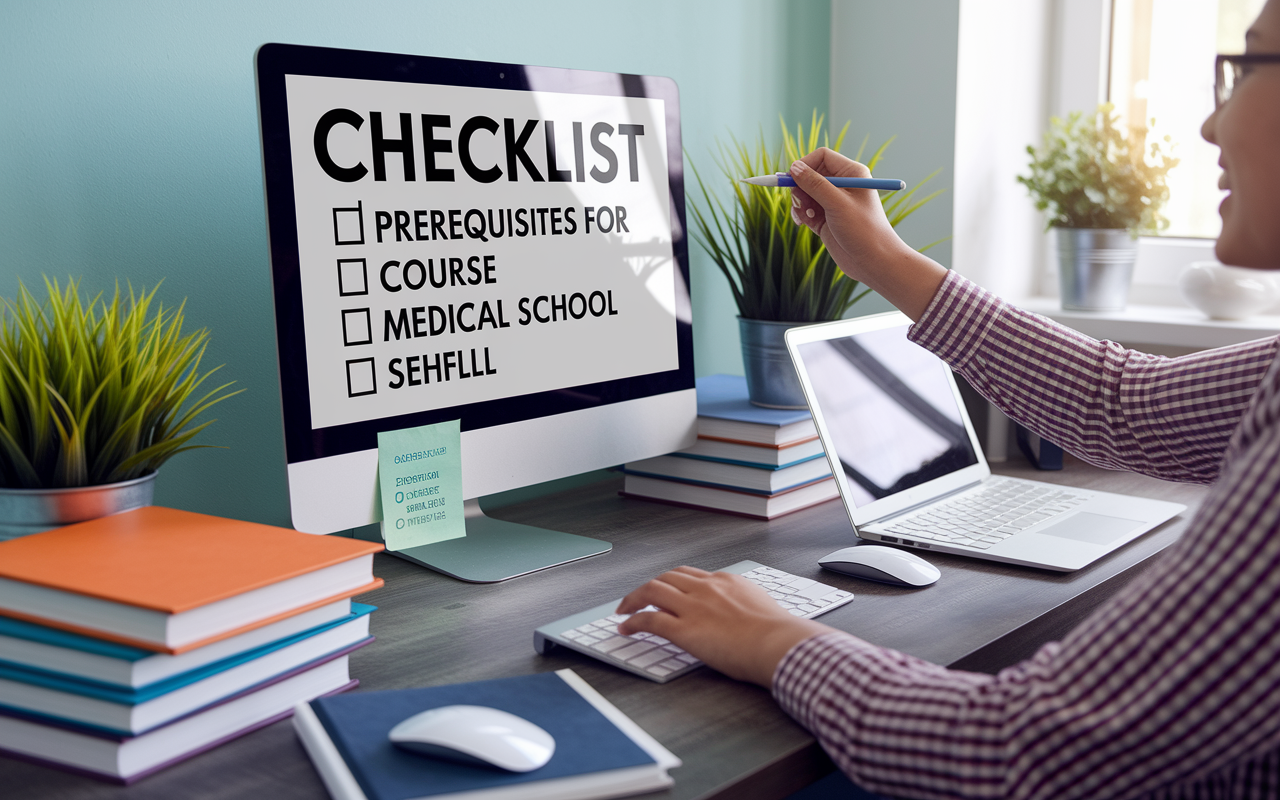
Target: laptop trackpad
point(1092, 528)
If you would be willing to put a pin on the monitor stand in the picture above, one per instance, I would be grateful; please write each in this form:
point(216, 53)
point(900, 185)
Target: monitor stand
point(495, 550)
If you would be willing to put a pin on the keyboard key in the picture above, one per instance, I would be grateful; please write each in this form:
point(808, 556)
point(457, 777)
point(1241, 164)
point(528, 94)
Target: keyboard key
point(609, 645)
point(646, 659)
point(636, 648)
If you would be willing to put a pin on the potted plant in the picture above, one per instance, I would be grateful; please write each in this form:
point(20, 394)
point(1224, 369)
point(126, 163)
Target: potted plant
point(94, 396)
point(780, 273)
point(1101, 189)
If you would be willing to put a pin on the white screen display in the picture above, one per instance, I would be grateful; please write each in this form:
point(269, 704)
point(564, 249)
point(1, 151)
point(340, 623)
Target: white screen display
point(431, 279)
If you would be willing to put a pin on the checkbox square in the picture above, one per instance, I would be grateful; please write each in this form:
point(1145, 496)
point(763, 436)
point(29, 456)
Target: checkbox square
point(360, 377)
point(353, 277)
point(348, 225)
point(357, 328)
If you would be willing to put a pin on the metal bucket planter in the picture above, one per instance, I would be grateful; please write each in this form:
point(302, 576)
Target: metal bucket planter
point(25, 511)
point(1095, 268)
point(771, 379)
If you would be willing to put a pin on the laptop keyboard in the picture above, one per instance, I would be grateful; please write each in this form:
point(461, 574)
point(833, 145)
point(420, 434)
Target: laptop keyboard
point(989, 515)
point(657, 658)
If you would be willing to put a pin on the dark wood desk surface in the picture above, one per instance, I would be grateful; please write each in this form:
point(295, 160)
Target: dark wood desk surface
point(734, 740)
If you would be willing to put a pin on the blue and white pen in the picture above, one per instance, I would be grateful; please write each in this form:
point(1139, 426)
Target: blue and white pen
point(783, 179)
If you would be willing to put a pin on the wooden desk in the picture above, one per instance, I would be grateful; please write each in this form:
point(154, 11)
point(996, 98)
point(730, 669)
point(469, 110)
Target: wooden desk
point(734, 740)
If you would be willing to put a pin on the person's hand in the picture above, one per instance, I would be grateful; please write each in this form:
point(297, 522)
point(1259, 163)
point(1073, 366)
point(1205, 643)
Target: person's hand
point(853, 226)
point(725, 620)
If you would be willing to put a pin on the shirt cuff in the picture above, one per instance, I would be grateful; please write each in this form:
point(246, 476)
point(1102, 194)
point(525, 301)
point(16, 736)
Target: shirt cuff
point(957, 320)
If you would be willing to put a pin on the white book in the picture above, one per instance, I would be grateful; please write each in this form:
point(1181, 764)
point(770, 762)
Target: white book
point(732, 476)
point(126, 759)
point(137, 711)
point(762, 455)
point(40, 647)
point(750, 505)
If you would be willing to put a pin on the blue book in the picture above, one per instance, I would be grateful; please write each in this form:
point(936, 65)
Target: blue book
point(740, 477)
point(724, 412)
point(599, 751)
point(128, 710)
point(73, 655)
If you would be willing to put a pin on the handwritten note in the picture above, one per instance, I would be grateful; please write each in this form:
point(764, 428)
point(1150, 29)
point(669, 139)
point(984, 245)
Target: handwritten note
point(420, 484)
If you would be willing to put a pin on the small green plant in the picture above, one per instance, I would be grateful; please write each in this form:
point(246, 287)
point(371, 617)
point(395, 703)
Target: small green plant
point(779, 270)
point(1089, 174)
point(93, 392)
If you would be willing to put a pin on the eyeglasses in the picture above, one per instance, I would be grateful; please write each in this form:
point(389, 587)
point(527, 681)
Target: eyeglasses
point(1228, 70)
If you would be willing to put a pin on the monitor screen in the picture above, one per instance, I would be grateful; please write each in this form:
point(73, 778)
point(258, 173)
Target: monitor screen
point(494, 243)
point(890, 410)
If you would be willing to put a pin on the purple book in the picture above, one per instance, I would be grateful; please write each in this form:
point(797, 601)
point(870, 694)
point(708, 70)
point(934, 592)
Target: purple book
point(125, 759)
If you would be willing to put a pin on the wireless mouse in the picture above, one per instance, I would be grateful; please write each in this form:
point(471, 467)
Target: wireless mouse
point(476, 735)
point(883, 564)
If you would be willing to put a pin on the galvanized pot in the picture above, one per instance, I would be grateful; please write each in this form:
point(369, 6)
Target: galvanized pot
point(1095, 268)
point(24, 511)
point(771, 379)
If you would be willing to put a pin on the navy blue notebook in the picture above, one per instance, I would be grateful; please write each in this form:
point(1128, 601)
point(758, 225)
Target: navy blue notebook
point(358, 724)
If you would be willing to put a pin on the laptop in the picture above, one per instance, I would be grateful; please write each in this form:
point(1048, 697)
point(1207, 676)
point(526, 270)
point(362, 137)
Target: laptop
point(910, 469)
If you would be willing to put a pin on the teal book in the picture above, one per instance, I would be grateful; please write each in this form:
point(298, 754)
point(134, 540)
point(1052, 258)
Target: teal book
point(600, 752)
point(131, 711)
point(27, 645)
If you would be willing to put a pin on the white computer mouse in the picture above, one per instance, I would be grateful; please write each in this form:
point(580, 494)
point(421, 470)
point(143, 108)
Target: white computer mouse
point(476, 735)
point(884, 564)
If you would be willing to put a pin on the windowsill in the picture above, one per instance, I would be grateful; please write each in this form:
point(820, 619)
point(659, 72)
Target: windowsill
point(1172, 326)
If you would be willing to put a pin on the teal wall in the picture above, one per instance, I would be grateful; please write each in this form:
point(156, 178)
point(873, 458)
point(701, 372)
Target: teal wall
point(129, 151)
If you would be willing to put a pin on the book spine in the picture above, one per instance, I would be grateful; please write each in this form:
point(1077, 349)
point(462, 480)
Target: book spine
point(334, 773)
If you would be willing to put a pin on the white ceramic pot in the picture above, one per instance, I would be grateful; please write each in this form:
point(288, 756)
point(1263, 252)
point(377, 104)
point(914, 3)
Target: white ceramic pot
point(1224, 292)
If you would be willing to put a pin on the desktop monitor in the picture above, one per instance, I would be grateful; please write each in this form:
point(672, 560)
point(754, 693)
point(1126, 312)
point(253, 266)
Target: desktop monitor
point(498, 244)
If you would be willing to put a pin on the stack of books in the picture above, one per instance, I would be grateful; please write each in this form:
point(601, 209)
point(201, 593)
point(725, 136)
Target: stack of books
point(135, 641)
point(753, 461)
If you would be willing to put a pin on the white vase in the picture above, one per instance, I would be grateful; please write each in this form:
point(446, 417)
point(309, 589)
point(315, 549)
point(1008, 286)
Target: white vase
point(1224, 292)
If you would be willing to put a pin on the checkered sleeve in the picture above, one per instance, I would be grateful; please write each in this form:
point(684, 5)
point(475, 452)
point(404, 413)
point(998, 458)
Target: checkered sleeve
point(1170, 418)
point(1172, 688)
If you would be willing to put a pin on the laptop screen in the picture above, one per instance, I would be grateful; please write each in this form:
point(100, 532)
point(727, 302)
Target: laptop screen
point(890, 411)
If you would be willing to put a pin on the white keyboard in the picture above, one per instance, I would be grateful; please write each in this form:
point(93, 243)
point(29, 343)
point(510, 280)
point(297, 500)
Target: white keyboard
point(991, 513)
point(595, 631)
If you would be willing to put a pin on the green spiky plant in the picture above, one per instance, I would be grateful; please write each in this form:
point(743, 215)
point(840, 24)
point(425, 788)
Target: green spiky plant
point(1089, 174)
point(776, 269)
point(95, 391)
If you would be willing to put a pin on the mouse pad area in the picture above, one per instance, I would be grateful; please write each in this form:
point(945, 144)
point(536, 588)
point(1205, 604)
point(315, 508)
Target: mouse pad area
point(358, 724)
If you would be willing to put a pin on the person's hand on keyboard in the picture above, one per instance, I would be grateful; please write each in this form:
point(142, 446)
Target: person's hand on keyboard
point(725, 620)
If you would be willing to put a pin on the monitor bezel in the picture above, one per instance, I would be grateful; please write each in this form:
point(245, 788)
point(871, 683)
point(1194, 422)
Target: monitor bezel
point(273, 62)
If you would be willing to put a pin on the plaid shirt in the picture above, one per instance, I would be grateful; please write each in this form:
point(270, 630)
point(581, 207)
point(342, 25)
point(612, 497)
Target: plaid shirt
point(1172, 689)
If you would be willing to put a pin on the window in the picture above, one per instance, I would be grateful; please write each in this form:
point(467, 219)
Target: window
point(1161, 68)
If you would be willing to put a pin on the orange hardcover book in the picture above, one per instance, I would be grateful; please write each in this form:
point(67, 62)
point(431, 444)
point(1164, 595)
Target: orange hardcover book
point(171, 581)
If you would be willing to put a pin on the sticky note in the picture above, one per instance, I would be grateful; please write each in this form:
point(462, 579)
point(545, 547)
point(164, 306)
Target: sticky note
point(420, 485)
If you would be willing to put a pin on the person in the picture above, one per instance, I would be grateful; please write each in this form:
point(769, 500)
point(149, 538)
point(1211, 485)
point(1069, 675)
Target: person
point(1172, 689)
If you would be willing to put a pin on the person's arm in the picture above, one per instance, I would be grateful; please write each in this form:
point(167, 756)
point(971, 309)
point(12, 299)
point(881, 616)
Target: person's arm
point(1170, 418)
point(1116, 408)
point(1172, 681)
